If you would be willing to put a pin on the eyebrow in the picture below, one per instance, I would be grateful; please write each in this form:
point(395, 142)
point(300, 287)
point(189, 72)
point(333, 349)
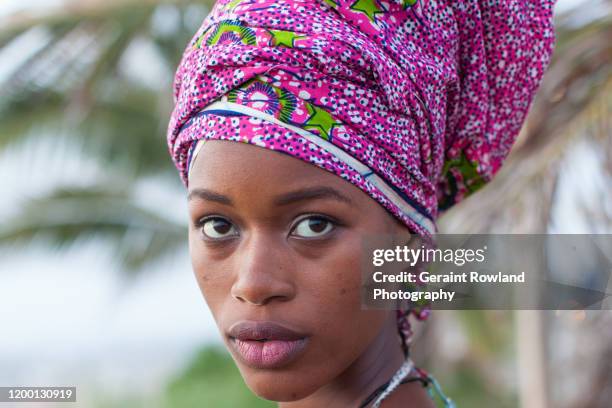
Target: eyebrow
point(209, 195)
point(314, 193)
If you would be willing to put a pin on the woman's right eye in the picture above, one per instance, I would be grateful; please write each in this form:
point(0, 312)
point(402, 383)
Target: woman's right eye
point(218, 228)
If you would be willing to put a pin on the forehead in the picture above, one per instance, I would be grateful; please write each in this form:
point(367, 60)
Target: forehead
point(222, 163)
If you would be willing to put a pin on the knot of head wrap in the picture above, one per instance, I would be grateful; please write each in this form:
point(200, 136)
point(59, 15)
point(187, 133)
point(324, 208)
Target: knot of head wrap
point(415, 103)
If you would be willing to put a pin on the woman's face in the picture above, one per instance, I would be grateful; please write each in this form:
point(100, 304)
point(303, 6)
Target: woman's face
point(276, 249)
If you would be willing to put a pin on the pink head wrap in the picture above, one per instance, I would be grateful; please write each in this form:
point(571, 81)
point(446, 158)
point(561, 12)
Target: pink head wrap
point(416, 103)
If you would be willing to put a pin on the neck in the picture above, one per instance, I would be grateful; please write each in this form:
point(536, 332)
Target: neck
point(374, 367)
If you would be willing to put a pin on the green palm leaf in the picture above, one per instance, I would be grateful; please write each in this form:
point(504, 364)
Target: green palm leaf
point(138, 236)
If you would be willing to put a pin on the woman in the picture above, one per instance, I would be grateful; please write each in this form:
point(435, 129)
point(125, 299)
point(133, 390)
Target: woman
point(357, 118)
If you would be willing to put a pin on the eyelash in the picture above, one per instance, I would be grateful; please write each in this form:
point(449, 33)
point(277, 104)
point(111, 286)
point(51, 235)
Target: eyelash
point(303, 217)
point(199, 224)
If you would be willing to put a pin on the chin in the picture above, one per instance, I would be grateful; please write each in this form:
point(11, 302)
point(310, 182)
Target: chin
point(280, 385)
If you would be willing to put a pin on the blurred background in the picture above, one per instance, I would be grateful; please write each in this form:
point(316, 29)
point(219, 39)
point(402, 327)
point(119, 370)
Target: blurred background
point(96, 288)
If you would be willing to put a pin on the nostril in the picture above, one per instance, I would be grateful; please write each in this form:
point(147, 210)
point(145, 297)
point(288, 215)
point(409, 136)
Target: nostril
point(259, 297)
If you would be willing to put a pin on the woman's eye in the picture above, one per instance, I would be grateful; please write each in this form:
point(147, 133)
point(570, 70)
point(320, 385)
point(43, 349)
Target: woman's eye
point(313, 227)
point(218, 228)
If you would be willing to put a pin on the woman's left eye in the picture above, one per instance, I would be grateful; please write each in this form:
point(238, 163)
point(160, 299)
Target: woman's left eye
point(313, 227)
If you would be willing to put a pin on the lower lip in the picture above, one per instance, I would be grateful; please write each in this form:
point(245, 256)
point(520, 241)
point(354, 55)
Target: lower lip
point(268, 354)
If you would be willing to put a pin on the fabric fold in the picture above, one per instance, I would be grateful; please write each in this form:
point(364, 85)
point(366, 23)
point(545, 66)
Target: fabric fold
point(428, 96)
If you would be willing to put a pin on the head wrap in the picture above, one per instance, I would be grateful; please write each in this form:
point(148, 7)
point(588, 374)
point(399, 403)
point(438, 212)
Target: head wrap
point(417, 103)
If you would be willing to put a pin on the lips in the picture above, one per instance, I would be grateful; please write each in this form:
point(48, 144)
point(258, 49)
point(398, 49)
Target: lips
point(266, 344)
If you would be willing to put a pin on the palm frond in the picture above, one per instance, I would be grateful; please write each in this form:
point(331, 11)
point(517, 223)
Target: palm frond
point(138, 235)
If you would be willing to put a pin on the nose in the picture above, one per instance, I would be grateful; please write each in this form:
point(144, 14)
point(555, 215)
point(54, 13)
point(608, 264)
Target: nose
point(263, 274)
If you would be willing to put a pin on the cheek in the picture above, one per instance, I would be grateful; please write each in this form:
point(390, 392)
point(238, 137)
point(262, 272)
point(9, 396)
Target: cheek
point(214, 283)
point(334, 282)
point(332, 297)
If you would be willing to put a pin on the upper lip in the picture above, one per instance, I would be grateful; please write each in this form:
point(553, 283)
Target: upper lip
point(253, 330)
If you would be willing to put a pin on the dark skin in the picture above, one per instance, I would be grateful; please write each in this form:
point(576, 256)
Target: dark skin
point(275, 238)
